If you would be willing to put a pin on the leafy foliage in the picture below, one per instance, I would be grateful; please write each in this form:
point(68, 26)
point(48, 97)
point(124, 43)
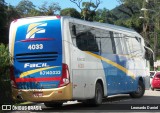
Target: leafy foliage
point(24, 7)
point(5, 88)
point(70, 12)
point(88, 9)
point(128, 14)
point(3, 22)
point(51, 9)
point(105, 16)
point(4, 62)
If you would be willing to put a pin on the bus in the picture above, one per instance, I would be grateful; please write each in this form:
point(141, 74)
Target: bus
point(58, 59)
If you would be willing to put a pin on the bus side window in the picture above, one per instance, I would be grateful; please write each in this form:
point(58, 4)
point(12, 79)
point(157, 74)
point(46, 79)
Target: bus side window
point(86, 42)
point(92, 39)
point(82, 38)
point(104, 40)
point(125, 48)
point(118, 43)
point(134, 46)
point(73, 32)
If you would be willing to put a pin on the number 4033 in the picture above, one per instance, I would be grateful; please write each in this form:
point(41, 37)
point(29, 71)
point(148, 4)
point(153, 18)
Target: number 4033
point(35, 46)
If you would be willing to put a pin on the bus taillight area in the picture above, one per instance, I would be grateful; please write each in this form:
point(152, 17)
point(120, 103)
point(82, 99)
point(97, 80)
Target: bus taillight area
point(44, 95)
point(65, 76)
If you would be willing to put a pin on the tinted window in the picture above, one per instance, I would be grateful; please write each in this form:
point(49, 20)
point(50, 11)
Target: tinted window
point(86, 41)
point(92, 39)
point(83, 38)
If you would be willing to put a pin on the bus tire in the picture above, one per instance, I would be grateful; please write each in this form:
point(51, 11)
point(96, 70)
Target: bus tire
point(140, 90)
point(54, 104)
point(97, 100)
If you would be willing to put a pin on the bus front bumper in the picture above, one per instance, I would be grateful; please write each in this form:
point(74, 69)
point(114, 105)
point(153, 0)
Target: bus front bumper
point(44, 95)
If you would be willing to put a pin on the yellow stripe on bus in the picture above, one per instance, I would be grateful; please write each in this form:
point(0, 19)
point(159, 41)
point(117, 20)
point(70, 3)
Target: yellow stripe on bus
point(131, 74)
point(31, 26)
point(24, 74)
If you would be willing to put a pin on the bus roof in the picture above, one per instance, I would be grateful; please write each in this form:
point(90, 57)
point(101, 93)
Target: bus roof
point(116, 28)
point(121, 29)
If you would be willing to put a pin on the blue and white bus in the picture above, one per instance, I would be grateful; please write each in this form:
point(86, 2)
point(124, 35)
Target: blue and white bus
point(58, 59)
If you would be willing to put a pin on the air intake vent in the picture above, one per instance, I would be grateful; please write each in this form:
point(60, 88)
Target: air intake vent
point(37, 57)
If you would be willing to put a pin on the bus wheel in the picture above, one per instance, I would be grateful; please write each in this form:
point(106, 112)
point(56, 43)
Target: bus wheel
point(140, 91)
point(54, 104)
point(97, 100)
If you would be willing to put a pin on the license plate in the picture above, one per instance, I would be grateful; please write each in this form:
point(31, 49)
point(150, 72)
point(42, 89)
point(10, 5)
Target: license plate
point(37, 94)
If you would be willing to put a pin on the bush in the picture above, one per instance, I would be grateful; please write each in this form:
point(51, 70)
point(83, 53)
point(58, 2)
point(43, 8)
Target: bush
point(5, 86)
point(4, 62)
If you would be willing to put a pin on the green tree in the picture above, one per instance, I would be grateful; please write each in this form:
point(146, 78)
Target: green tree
point(88, 9)
point(8, 14)
point(150, 20)
point(3, 22)
point(153, 15)
point(105, 16)
point(51, 9)
point(87, 12)
point(34, 12)
point(11, 14)
point(70, 12)
point(25, 7)
point(5, 60)
point(131, 7)
point(5, 88)
point(131, 10)
point(2, 13)
point(101, 15)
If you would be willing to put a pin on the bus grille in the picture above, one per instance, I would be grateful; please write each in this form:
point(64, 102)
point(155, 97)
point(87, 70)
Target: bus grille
point(37, 57)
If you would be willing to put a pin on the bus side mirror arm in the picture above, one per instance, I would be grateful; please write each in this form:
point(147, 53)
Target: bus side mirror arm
point(151, 59)
point(150, 51)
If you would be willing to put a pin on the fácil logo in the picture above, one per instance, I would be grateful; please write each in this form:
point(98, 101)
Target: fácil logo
point(35, 65)
point(35, 28)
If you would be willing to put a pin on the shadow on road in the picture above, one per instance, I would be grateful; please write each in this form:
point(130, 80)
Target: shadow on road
point(121, 102)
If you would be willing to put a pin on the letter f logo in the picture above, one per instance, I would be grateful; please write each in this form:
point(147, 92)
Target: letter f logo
point(33, 29)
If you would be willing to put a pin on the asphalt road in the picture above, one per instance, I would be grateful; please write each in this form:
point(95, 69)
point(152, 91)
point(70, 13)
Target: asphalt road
point(149, 102)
